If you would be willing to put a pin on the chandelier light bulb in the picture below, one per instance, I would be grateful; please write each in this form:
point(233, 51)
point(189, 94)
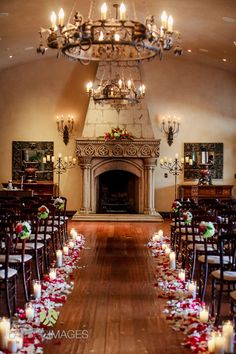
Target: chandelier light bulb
point(61, 16)
point(120, 83)
point(129, 84)
point(164, 19)
point(89, 86)
point(53, 20)
point(122, 12)
point(117, 37)
point(101, 36)
point(104, 11)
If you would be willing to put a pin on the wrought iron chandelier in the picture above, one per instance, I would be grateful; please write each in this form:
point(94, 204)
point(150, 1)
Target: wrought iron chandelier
point(109, 39)
point(116, 92)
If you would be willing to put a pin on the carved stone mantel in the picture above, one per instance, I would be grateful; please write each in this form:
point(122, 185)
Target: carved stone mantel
point(138, 156)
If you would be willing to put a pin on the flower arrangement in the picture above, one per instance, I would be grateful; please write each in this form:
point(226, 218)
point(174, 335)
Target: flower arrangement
point(207, 229)
point(117, 134)
point(59, 203)
point(175, 206)
point(23, 229)
point(43, 212)
point(187, 216)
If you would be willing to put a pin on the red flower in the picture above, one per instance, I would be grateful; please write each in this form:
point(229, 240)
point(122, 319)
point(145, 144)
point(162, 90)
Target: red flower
point(19, 228)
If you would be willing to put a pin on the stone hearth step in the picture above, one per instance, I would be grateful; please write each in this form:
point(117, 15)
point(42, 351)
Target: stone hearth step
point(117, 217)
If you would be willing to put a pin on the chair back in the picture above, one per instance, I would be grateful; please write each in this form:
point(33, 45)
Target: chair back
point(5, 244)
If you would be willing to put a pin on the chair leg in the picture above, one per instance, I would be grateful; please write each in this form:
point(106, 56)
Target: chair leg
point(7, 294)
point(192, 272)
point(25, 282)
point(219, 303)
point(15, 294)
point(213, 297)
point(204, 281)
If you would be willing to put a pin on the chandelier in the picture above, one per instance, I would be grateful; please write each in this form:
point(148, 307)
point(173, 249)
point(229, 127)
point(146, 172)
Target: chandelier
point(109, 39)
point(114, 89)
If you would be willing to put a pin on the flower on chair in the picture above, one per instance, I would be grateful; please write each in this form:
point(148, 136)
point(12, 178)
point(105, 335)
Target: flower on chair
point(187, 216)
point(59, 203)
point(43, 212)
point(175, 206)
point(23, 230)
point(207, 229)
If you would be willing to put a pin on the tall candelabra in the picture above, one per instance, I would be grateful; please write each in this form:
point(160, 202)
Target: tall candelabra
point(175, 167)
point(60, 166)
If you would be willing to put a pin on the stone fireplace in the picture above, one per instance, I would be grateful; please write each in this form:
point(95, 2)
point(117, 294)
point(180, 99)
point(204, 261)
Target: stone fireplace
point(106, 166)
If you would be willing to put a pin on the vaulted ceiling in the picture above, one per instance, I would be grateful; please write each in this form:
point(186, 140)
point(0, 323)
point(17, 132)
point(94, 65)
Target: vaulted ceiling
point(208, 27)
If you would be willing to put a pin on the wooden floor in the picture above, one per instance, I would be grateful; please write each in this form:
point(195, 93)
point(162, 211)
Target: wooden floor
point(114, 300)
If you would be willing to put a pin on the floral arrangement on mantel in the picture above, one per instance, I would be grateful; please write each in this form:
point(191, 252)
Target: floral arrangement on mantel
point(117, 134)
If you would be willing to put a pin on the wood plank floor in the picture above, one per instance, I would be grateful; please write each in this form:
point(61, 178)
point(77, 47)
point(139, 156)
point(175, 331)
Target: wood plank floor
point(114, 298)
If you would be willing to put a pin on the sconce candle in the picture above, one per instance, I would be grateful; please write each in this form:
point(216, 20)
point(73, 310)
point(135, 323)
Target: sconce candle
point(4, 332)
point(59, 258)
point(37, 288)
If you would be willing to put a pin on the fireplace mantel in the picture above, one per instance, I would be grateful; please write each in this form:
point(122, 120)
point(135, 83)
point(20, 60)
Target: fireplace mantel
point(137, 156)
point(141, 148)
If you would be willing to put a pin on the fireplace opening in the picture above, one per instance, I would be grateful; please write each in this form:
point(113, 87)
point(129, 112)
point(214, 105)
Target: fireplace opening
point(117, 192)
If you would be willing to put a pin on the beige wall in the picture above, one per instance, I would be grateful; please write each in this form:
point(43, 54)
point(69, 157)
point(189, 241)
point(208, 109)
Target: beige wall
point(32, 94)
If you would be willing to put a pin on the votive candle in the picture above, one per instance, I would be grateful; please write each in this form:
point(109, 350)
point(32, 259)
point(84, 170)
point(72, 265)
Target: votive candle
point(29, 311)
point(204, 314)
point(181, 274)
point(71, 244)
point(192, 288)
point(66, 250)
point(53, 274)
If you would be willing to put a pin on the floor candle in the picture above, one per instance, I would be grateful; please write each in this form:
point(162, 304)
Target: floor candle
point(73, 233)
point(181, 274)
point(228, 335)
point(192, 288)
point(167, 250)
point(29, 311)
point(4, 332)
point(66, 250)
point(71, 244)
point(211, 343)
point(53, 274)
point(59, 258)
point(12, 345)
point(37, 289)
point(163, 246)
point(172, 258)
point(219, 344)
point(204, 314)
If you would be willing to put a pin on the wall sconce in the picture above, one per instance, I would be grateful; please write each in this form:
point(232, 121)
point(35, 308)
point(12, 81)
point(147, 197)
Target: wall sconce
point(170, 128)
point(65, 129)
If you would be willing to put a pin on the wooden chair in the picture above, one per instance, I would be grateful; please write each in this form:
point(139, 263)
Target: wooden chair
point(8, 276)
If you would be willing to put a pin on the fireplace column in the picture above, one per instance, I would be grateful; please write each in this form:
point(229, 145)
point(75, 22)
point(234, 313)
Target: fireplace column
point(85, 165)
point(149, 183)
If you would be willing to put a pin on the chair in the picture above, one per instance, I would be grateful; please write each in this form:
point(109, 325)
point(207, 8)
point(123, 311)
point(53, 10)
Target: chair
point(225, 275)
point(8, 276)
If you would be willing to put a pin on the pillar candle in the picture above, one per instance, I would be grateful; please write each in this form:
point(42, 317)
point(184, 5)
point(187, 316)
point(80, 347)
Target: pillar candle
point(4, 332)
point(181, 274)
point(29, 311)
point(211, 343)
point(71, 244)
point(53, 274)
point(48, 157)
point(219, 344)
point(19, 340)
point(204, 314)
point(228, 335)
point(37, 289)
point(172, 258)
point(192, 289)
point(59, 258)
point(163, 246)
point(12, 345)
point(73, 233)
point(167, 250)
point(44, 159)
point(66, 250)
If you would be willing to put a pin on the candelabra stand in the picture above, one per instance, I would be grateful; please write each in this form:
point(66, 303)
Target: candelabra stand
point(174, 167)
point(60, 166)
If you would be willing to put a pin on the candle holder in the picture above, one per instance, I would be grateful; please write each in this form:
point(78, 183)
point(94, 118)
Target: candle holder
point(175, 167)
point(60, 166)
point(37, 289)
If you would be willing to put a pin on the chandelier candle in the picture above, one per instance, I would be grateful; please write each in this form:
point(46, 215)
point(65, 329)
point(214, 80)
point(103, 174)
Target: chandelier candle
point(228, 334)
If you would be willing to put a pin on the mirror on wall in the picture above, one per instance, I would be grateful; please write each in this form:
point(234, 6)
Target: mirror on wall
point(196, 155)
point(27, 161)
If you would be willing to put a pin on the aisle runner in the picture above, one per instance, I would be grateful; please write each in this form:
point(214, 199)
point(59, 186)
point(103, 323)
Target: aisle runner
point(46, 309)
point(182, 309)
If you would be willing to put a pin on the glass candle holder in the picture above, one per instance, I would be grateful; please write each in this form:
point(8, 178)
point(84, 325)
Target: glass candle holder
point(65, 250)
point(29, 311)
point(52, 273)
point(59, 258)
point(37, 289)
point(5, 326)
point(204, 314)
point(228, 335)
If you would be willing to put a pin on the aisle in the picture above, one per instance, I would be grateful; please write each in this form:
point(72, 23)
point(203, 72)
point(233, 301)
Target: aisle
point(114, 302)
